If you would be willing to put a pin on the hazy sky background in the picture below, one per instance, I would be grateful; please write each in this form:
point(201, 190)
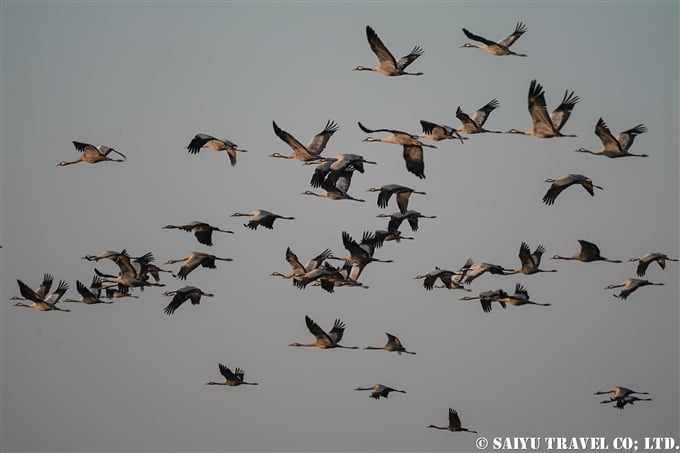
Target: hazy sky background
point(145, 77)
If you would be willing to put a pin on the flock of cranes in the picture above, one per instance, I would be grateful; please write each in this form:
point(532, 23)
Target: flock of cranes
point(333, 175)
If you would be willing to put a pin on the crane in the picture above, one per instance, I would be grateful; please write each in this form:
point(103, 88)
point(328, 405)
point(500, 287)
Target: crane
point(629, 285)
point(482, 267)
point(297, 269)
point(438, 132)
point(521, 297)
point(387, 64)
point(382, 236)
point(589, 252)
point(202, 230)
point(361, 253)
point(232, 379)
point(325, 340)
point(486, 297)
point(379, 390)
point(618, 393)
point(309, 153)
point(411, 216)
point(475, 125)
point(194, 259)
point(393, 344)
point(92, 154)
point(42, 303)
point(208, 141)
point(615, 147)
point(42, 290)
point(326, 275)
point(260, 217)
point(454, 423)
point(87, 296)
point(106, 254)
point(181, 295)
point(335, 186)
point(561, 183)
point(450, 279)
point(544, 125)
point(500, 48)
point(411, 146)
point(531, 261)
point(648, 258)
point(401, 193)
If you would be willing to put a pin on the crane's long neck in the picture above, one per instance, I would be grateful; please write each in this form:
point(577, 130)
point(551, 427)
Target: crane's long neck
point(70, 162)
point(376, 260)
point(559, 257)
point(364, 68)
point(439, 427)
point(537, 303)
point(283, 156)
point(604, 392)
point(584, 150)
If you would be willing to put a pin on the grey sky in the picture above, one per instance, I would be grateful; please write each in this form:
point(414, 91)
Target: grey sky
point(145, 77)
